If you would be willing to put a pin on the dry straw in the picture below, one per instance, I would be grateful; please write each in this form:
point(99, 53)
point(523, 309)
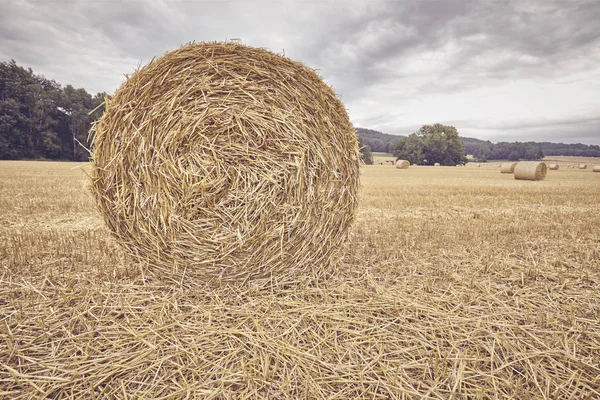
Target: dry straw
point(531, 171)
point(596, 168)
point(553, 166)
point(582, 166)
point(507, 168)
point(402, 164)
point(230, 160)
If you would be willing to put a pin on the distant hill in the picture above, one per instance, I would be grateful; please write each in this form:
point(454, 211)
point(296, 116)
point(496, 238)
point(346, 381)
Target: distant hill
point(378, 141)
point(383, 142)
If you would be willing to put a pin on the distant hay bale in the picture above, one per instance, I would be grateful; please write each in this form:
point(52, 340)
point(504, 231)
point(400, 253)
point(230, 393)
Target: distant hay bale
point(531, 171)
point(402, 164)
point(553, 166)
point(582, 166)
point(230, 160)
point(437, 164)
point(478, 165)
point(508, 168)
point(596, 168)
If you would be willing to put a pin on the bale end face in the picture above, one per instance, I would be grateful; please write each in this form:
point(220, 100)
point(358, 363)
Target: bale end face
point(402, 164)
point(204, 159)
point(531, 171)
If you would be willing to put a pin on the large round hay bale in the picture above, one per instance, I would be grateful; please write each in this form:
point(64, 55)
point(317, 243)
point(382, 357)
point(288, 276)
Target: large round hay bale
point(402, 164)
point(508, 168)
point(553, 166)
point(531, 171)
point(596, 168)
point(229, 160)
point(582, 166)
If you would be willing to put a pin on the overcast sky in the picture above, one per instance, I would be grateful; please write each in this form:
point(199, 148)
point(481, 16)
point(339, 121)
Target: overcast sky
point(495, 69)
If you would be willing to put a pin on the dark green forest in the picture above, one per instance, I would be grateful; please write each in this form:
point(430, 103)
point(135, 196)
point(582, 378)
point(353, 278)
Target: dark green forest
point(40, 119)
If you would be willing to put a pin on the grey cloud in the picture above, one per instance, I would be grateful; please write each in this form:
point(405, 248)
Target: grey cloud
point(362, 48)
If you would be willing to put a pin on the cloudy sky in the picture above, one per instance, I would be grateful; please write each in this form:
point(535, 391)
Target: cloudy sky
point(495, 69)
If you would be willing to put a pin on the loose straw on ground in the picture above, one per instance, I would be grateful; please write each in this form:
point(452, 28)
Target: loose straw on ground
point(229, 160)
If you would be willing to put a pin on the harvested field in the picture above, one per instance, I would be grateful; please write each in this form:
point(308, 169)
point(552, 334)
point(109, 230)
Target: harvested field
point(455, 283)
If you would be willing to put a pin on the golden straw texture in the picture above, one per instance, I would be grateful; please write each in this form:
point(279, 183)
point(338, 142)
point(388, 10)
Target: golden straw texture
point(531, 171)
point(230, 160)
point(507, 168)
point(402, 164)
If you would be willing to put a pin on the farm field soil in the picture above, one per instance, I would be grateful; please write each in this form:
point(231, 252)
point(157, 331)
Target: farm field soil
point(454, 283)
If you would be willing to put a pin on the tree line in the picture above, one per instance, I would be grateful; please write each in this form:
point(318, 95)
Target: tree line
point(429, 145)
point(41, 119)
point(486, 150)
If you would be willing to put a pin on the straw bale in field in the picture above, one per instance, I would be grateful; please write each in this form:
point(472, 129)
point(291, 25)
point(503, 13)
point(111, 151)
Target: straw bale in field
point(553, 166)
point(508, 168)
point(437, 164)
point(596, 168)
point(582, 166)
point(531, 171)
point(231, 160)
point(402, 164)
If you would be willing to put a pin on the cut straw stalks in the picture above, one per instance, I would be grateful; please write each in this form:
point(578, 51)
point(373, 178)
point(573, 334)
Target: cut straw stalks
point(402, 164)
point(531, 171)
point(507, 168)
point(229, 160)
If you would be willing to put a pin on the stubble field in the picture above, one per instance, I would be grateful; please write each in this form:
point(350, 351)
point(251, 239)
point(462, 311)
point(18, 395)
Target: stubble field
point(456, 282)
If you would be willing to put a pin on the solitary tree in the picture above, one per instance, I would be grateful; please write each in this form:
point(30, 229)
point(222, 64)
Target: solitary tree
point(432, 144)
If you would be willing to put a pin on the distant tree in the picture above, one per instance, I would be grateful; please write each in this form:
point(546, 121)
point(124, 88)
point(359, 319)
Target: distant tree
point(39, 119)
point(432, 144)
point(409, 148)
point(513, 156)
point(365, 152)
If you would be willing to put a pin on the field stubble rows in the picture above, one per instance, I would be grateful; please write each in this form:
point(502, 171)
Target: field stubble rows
point(454, 283)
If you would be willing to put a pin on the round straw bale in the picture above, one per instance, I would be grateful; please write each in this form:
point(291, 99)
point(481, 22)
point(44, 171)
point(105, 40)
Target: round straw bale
point(531, 171)
point(478, 165)
point(553, 166)
point(596, 168)
point(402, 164)
point(437, 164)
point(507, 168)
point(582, 166)
point(228, 159)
